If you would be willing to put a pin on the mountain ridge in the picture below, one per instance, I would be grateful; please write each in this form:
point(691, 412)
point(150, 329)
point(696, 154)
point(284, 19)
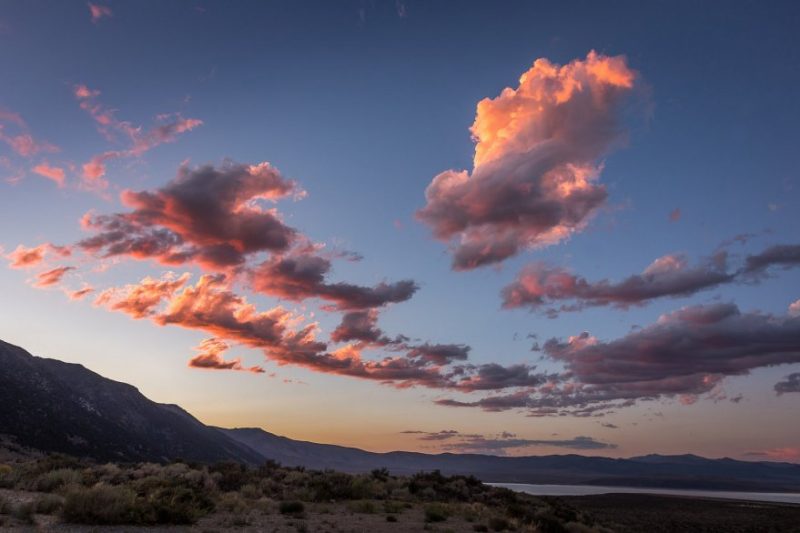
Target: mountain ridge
point(55, 406)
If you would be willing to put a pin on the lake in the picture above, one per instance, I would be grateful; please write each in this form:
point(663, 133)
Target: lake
point(588, 490)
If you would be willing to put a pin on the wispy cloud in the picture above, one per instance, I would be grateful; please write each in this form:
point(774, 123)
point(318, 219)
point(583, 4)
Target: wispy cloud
point(139, 140)
point(99, 12)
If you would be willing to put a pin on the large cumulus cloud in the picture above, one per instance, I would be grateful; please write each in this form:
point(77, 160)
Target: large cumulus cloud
point(209, 215)
point(684, 354)
point(537, 159)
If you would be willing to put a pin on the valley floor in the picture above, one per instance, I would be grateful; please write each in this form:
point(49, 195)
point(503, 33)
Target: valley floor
point(634, 513)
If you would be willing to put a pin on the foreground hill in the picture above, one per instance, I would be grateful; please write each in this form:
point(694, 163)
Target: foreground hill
point(54, 406)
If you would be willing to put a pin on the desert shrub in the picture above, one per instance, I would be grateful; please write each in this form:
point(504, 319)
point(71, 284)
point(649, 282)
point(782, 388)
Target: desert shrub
point(229, 476)
point(498, 523)
point(391, 518)
point(363, 507)
point(101, 504)
point(250, 492)
point(49, 504)
point(174, 505)
point(435, 513)
point(480, 528)
point(6, 476)
point(331, 485)
point(5, 505)
point(55, 479)
point(381, 474)
point(232, 502)
point(393, 507)
point(368, 487)
point(24, 513)
point(111, 474)
point(291, 507)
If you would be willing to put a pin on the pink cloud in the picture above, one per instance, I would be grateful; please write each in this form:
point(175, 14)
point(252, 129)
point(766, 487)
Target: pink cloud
point(787, 454)
point(537, 161)
point(684, 355)
point(211, 358)
point(21, 141)
point(24, 257)
point(50, 172)
point(51, 277)
point(99, 12)
point(80, 294)
point(675, 215)
point(554, 289)
point(207, 215)
point(142, 299)
point(139, 140)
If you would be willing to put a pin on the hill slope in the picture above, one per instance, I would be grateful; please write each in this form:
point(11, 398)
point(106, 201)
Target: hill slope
point(55, 406)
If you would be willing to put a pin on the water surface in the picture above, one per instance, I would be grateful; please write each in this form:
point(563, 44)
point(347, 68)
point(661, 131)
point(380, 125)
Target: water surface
point(588, 490)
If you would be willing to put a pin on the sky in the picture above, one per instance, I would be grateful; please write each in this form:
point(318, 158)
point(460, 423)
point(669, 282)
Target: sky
point(511, 228)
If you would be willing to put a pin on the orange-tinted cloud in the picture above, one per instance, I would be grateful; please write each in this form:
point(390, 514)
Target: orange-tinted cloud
point(169, 127)
point(212, 307)
point(51, 277)
point(298, 276)
point(50, 172)
point(20, 140)
point(24, 257)
point(207, 215)
point(685, 354)
point(536, 164)
point(142, 299)
point(788, 454)
point(99, 12)
point(81, 293)
point(553, 289)
point(211, 358)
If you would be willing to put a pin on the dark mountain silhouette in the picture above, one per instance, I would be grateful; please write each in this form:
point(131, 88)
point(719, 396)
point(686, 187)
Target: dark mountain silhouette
point(50, 405)
point(61, 407)
point(679, 471)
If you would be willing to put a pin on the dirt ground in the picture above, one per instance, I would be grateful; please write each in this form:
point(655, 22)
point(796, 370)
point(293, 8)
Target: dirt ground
point(635, 513)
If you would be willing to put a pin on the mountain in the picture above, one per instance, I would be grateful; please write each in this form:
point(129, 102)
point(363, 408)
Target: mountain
point(61, 407)
point(50, 405)
point(679, 471)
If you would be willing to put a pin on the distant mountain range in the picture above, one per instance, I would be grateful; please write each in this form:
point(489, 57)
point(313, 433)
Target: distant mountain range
point(54, 406)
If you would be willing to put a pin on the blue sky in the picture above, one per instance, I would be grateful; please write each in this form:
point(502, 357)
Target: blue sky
point(363, 103)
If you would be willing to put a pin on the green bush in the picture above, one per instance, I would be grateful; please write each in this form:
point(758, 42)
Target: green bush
point(55, 479)
point(363, 506)
point(101, 505)
point(292, 507)
point(175, 505)
point(435, 513)
point(49, 504)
